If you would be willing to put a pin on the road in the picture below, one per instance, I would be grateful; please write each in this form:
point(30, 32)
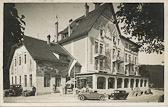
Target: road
point(69, 98)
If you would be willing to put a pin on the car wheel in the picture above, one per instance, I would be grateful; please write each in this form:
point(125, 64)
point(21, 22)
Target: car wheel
point(101, 98)
point(81, 97)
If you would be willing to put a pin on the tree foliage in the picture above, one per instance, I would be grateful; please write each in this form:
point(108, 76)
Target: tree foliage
point(143, 71)
point(13, 32)
point(145, 23)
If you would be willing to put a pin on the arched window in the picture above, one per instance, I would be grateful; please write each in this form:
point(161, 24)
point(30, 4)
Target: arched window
point(137, 82)
point(141, 82)
point(101, 83)
point(111, 82)
point(119, 82)
point(132, 83)
point(126, 83)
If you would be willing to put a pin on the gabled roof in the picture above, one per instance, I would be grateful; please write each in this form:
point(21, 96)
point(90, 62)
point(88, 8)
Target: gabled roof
point(85, 25)
point(40, 50)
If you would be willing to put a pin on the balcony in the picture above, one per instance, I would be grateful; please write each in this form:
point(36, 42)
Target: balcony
point(118, 59)
point(132, 73)
point(129, 62)
point(100, 54)
point(100, 68)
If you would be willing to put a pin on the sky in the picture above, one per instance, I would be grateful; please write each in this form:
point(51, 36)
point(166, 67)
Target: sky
point(40, 21)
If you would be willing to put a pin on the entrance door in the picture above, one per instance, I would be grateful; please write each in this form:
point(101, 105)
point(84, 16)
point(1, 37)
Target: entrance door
point(57, 81)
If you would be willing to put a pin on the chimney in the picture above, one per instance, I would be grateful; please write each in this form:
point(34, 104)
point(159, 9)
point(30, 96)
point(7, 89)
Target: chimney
point(48, 39)
point(69, 27)
point(86, 9)
point(97, 5)
point(56, 30)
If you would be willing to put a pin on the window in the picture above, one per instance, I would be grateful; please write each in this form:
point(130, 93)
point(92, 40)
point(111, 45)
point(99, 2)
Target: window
point(101, 83)
point(114, 40)
point(101, 33)
point(12, 80)
point(118, 55)
point(25, 80)
point(118, 66)
point(15, 79)
point(57, 81)
point(89, 81)
point(145, 83)
point(126, 45)
point(15, 62)
point(46, 80)
point(96, 47)
point(20, 79)
point(129, 58)
point(113, 53)
point(118, 41)
point(141, 82)
point(101, 64)
point(119, 82)
point(125, 57)
point(111, 82)
point(137, 82)
point(101, 48)
point(132, 83)
point(30, 80)
point(135, 60)
point(25, 58)
point(96, 64)
point(19, 60)
point(125, 83)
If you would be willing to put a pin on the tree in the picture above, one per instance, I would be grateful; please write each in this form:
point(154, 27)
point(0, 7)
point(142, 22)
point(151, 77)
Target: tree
point(145, 23)
point(143, 71)
point(13, 33)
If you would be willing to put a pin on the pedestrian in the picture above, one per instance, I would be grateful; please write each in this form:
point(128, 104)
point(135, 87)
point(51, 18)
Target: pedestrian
point(33, 91)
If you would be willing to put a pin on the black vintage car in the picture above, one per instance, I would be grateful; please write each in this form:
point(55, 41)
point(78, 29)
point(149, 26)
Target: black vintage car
point(15, 90)
point(118, 94)
point(91, 95)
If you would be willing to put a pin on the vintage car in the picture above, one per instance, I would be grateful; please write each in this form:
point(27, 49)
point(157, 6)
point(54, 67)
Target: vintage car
point(118, 94)
point(15, 90)
point(28, 93)
point(90, 95)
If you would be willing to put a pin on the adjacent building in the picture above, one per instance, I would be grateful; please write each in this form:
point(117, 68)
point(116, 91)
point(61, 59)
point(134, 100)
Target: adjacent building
point(39, 63)
point(109, 60)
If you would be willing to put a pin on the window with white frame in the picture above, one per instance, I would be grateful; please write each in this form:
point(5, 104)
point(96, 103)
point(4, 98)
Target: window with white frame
point(96, 47)
point(101, 48)
point(46, 80)
point(25, 80)
point(96, 63)
point(113, 53)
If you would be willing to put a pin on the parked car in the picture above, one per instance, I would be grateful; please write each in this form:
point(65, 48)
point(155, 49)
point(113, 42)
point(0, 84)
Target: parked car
point(15, 90)
point(118, 94)
point(29, 92)
point(90, 95)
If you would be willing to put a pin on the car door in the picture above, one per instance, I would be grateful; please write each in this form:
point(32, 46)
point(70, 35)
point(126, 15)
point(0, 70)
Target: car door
point(94, 95)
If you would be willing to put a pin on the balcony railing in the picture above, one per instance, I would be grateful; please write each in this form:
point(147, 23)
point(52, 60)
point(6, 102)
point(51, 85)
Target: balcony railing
point(100, 68)
point(129, 62)
point(100, 54)
point(118, 59)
